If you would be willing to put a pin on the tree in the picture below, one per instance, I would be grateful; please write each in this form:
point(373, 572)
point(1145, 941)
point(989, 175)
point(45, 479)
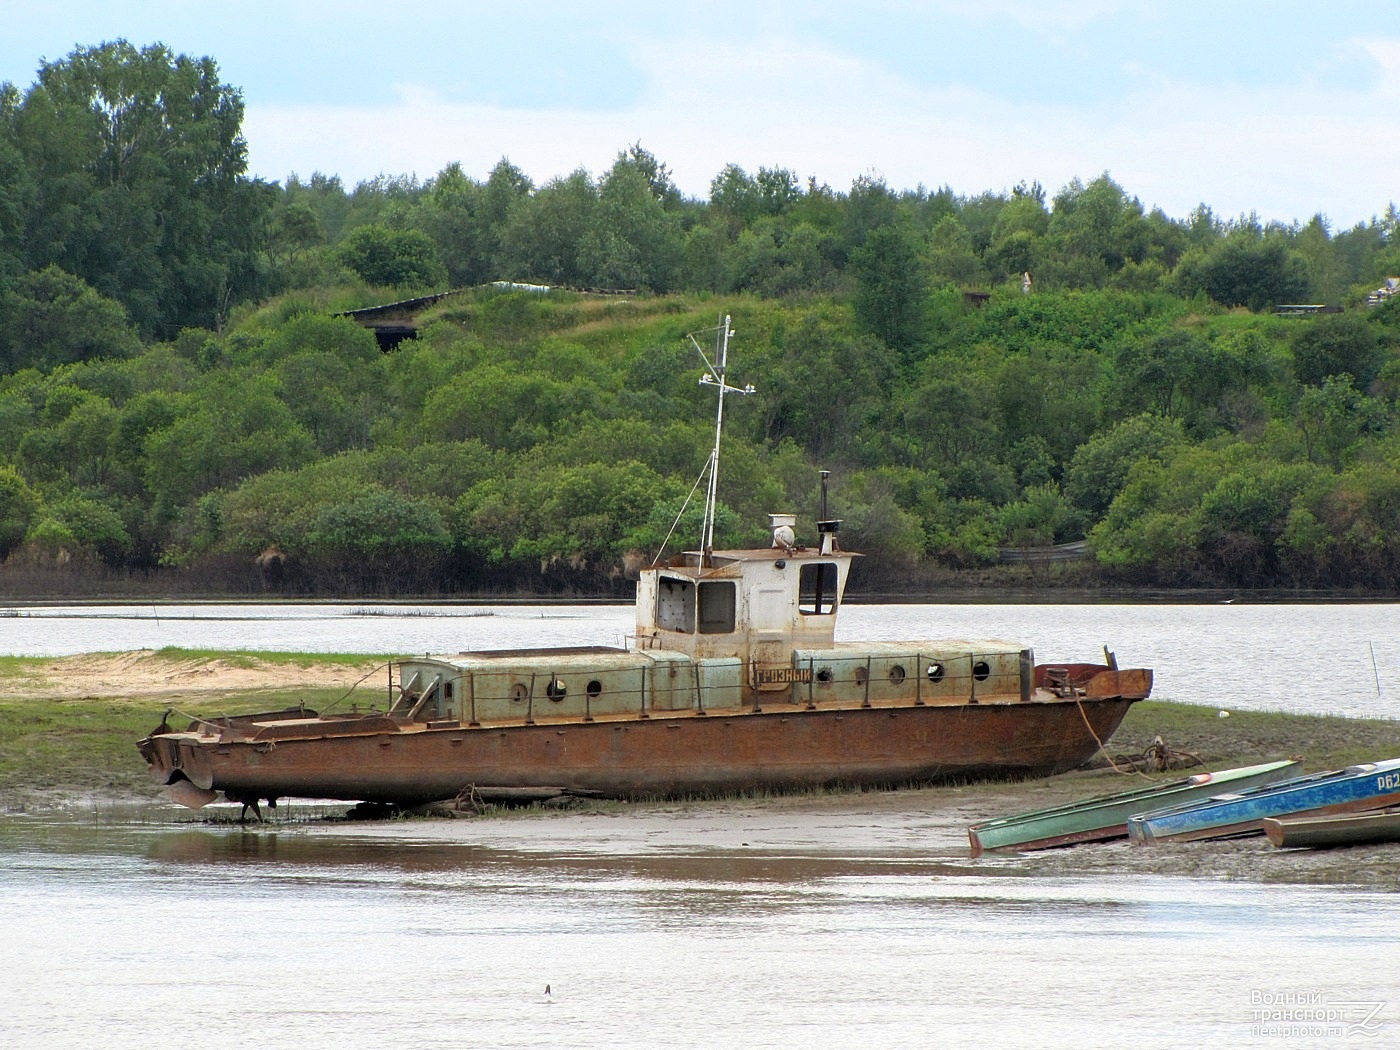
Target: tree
point(452, 213)
point(52, 318)
point(772, 259)
point(1100, 466)
point(235, 427)
point(1040, 518)
point(137, 160)
point(823, 386)
point(1046, 398)
point(17, 190)
point(632, 241)
point(890, 287)
point(949, 420)
point(18, 504)
point(1017, 235)
point(542, 236)
point(1161, 373)
point(778, 190)
point(323, 194)
point(503, 408)
point(735, 194)
point(505, 187)
point(870, 205)
point(1245, 269)
point(296, 228)
point(1099, 222)
point(1333, 418)
point(396, 258)
point(952, 255)
point(333, 397)
point(380, 539)
point(1335, 345)
point(658, 175)
point(77, 524)
point(1313, 243)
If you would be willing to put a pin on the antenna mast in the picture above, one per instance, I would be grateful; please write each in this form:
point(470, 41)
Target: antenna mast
point(715, 377)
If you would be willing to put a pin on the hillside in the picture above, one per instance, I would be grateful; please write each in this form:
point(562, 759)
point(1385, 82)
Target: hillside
point(546, 441)
point(185, 408)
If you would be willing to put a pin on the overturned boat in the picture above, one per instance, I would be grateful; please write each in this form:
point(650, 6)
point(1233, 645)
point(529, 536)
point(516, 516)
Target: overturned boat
point(734, 681)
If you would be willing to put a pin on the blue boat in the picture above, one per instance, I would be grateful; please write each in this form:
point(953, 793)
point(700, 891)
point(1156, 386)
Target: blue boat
point(1371, 785)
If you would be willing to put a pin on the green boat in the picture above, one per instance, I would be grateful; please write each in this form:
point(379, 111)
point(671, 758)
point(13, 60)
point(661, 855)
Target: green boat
point(1106, 816)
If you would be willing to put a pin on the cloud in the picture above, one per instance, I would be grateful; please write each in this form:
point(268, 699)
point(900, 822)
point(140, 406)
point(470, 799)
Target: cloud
point(1040, 15)
point(781, 101)
point(1384, 52)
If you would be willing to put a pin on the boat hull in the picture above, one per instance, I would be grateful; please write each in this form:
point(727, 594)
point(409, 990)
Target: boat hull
point(1105, 817)
point(375, 760)
point(1369, 786)
point(1349, 829)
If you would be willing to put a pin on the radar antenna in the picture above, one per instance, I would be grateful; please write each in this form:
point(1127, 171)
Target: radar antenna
point(715, 377)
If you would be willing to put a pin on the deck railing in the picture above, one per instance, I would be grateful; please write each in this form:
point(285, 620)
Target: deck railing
point(572, 693)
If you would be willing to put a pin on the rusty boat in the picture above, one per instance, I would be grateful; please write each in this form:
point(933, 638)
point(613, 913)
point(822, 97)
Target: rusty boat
point(733, 681)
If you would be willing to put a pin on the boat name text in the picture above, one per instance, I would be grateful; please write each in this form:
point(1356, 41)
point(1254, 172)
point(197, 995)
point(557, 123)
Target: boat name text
point(783, 675)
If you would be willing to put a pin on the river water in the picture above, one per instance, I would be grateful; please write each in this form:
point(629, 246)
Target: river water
point(829, 922)
point(1305, 658)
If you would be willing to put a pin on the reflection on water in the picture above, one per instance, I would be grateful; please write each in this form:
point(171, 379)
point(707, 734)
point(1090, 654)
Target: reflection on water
point(647, 932)
point(446, 864)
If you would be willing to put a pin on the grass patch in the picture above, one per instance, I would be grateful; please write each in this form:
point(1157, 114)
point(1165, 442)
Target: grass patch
point(85, 745)
point(255, 657)
point(88, 744)
point(1321, 741)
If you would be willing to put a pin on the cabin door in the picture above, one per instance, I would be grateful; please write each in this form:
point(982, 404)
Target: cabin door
point(770, 662)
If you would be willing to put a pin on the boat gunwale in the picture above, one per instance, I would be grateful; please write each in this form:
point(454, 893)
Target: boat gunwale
point(1143, 829)
point(1104, 805)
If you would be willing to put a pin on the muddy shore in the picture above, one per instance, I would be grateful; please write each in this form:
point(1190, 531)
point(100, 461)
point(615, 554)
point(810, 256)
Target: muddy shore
point(68, 728)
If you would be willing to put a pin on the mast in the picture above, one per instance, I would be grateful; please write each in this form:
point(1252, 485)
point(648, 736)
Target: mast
point(715, 377)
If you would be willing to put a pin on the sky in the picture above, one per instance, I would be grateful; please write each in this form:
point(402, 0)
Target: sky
point(1284, 110)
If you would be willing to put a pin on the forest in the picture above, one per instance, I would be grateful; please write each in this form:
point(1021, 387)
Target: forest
point(185, 407)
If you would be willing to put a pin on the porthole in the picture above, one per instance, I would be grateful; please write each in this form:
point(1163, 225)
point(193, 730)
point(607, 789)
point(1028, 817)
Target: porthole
point(896, 674)
point(935, 672)
point(981, 671)
point(861, 675)
point(824, 675)
point(556, 690)
point(518, 693)
point(594, 689)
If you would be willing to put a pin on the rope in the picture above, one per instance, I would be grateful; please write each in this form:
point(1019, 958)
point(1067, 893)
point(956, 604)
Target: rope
point(185, 714)
point(681, 512)
point(1112, 764)
point(215, 722)
point(359, 683)
point(1132, 769)
point(1158, 753)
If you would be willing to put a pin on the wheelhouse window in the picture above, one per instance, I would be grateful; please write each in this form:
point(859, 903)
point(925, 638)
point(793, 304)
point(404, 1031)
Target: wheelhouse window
point(680, 606)
point(817, 589)
point(675, 605)
point(717, 607)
